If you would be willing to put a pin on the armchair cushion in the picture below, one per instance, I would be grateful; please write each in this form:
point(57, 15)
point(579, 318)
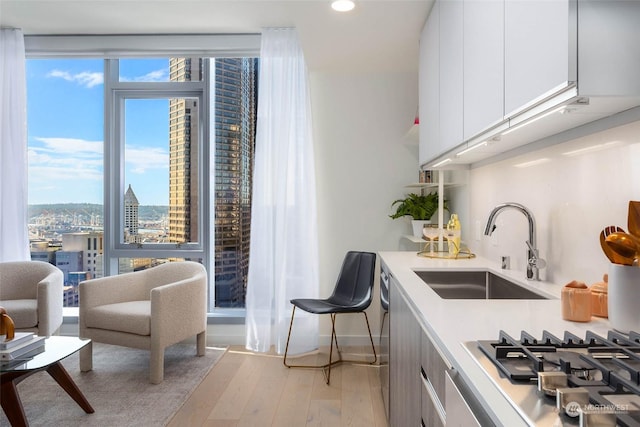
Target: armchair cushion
point(23, 312)
point(133, 317)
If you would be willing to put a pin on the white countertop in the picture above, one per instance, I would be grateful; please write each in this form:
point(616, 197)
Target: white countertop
point(450, 323)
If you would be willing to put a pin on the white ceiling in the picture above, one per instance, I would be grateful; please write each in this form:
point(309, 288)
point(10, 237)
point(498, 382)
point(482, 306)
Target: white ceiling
point(376, 35)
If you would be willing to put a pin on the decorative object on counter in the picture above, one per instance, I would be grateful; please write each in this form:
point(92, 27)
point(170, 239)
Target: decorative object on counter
point(433, 233)
point(623, 296)
point(608, 251)
point(626, 245)
point(453, 235)
point(419, 207)
point(7, 327)
point(462, 254)
point(576, 302)
point(599, 299)
point(633, 220)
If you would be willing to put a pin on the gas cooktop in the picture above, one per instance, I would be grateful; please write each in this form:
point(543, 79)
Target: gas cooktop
point(590, 380)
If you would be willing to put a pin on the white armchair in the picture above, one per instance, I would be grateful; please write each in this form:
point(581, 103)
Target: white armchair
point(148, 309)
point(31, 292)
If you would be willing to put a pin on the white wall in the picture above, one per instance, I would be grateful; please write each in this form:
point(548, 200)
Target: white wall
point(363, 161)
point(572, 196)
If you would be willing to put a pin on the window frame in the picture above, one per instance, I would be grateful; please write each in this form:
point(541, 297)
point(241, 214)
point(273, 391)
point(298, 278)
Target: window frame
point(108, 47)
point(116, 93)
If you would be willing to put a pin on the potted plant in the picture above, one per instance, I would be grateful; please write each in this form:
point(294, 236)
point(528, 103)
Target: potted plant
point(419, 207)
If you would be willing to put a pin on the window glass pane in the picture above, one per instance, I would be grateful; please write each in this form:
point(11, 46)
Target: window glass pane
point(161, 171)
point(234, 98)
point(65, 104)
point(161, 70)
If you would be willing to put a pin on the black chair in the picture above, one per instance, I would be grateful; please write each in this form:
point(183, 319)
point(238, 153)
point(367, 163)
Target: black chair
point(352, 294)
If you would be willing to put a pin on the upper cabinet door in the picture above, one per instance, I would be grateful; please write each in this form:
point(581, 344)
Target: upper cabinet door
point(540, 50)
point(429, 88)
point(451, 81)
point(483, 65)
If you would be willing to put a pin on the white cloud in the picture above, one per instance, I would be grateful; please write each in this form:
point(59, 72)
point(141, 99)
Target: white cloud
point(71, 152)
point(71, 145)
point(56, 160)
point(55, 173)
point(153, 76)
point(142, 158)
point(86, 78)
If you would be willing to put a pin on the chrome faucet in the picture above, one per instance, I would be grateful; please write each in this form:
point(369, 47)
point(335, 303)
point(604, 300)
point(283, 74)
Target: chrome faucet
point(534, 262)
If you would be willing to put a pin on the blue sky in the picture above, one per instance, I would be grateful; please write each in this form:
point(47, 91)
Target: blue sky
point(65, 132)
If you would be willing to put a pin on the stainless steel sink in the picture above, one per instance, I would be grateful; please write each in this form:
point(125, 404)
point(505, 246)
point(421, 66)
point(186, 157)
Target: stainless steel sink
point(474, 285)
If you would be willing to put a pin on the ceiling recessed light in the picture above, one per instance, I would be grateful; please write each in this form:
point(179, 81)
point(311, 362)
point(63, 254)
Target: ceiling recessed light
point(342, 5)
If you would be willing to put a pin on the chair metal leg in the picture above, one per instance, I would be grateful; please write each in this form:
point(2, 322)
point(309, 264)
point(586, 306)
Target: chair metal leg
point(334, 338)
point(286, 349)
point(326, 368)
point(373, 348)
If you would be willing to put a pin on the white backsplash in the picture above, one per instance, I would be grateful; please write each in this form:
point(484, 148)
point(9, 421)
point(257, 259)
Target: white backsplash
point(574, 191)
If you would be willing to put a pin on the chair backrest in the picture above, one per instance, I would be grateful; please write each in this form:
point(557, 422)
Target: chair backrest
point(171, 272)
point(354, 286)
point(19, 279)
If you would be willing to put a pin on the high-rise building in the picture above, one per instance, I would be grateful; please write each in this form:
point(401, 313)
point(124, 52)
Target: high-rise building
point(234, 93)
point(235, 118)
point(183, 155)
point(131, 221)
point(90, 245)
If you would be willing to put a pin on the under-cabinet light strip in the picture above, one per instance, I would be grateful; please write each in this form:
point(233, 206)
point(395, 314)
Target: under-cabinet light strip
point(466, 150)
point(441, 163)
point(535, 119)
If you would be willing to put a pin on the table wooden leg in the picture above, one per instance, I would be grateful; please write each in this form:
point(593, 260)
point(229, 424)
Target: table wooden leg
point(63, 378)
point(11, 404)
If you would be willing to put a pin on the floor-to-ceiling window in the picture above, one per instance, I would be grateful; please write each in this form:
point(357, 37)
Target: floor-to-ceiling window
point(137, 161)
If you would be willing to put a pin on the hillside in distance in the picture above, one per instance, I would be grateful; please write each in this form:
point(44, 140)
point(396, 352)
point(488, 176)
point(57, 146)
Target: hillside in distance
point(147, 213)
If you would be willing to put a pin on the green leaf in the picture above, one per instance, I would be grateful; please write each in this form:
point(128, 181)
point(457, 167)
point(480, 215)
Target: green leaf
point(419, 207)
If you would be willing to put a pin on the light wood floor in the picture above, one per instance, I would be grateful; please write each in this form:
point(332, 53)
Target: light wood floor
point(256, 389)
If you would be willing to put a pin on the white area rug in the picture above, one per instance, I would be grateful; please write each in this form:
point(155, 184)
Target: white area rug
point(118, 388)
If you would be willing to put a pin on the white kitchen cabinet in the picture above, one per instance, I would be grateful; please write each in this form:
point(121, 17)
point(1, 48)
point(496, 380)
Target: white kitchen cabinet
point(483, 74)
point(530, 69)
point(609, 51)
point(451, 70)
point(429, 88)
point(540, 59)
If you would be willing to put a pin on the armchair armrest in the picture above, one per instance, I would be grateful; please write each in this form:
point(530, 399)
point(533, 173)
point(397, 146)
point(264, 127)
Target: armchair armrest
point(179, 310)
point(50, 294)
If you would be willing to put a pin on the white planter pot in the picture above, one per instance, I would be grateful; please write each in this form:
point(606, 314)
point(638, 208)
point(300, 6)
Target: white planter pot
point(418, 225)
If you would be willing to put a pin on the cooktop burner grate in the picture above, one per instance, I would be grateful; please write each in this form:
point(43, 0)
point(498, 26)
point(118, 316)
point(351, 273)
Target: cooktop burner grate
point(609, 368)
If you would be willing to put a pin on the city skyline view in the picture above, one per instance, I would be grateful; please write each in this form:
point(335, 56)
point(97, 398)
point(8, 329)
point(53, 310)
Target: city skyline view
point(156, 154)
point(66, 142)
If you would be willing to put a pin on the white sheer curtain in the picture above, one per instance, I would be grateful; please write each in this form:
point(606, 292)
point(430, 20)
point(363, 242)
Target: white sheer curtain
point(14, 235)
point(283, 261)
